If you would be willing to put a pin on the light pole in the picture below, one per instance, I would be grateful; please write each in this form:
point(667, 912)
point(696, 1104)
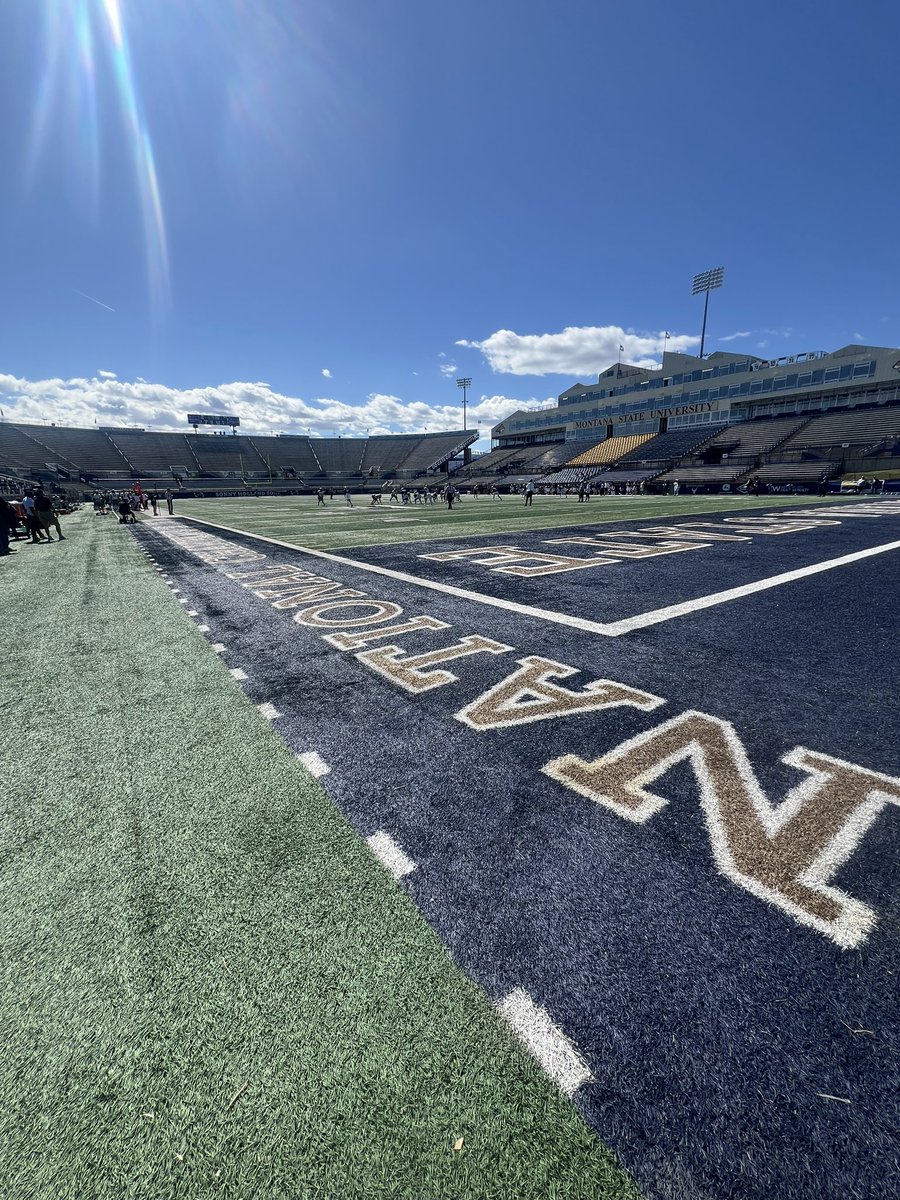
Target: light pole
point(705, 282)
point(465, 384)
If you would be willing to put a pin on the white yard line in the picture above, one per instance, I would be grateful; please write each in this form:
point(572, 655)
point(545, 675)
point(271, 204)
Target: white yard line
point(555, 1052)
point(314, 763)
point(606, 628)
point(390, 855)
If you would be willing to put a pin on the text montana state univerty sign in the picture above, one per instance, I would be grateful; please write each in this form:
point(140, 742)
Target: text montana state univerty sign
point(676, 410)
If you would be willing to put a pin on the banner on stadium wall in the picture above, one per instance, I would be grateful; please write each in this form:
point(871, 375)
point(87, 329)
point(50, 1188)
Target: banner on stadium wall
point(652, 414)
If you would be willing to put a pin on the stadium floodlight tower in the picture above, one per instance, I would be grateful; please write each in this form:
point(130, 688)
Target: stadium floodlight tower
point(465, 384)
point(705, 282)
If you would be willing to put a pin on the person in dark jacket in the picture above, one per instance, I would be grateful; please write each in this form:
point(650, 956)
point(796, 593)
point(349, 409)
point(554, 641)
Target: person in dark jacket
point(45, 514)
point(9, 519)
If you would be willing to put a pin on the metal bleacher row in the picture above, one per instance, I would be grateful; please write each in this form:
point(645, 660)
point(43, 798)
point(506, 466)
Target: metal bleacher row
point(113, 454)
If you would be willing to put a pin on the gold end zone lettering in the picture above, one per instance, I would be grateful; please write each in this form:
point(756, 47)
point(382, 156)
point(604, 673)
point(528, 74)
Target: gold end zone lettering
point(316, 591)
point(383, 610)
point(408, 670)
point(784, 854)
point(623, 549)
point(355, 641)
point(773, 526)
point(529, 695)
point(511, 560)
point(706, 533)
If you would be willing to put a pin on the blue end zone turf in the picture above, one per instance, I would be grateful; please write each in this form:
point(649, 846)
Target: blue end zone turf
point(680, 841)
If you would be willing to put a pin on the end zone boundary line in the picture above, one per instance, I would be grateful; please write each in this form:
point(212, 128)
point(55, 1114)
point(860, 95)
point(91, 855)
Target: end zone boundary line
point(605, 628)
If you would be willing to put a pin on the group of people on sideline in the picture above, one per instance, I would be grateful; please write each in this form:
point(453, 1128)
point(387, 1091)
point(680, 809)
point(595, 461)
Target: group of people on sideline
point(128, 504)
point(30, 519)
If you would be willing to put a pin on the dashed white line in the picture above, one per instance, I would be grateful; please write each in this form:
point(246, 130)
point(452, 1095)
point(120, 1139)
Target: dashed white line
point(269, 711)
point(544, 1039)
point(219, 647)
point(192, 612)
point(203, 628)
point(237, 673)
point(314, 763)
point(183, 600)
point(390, 855)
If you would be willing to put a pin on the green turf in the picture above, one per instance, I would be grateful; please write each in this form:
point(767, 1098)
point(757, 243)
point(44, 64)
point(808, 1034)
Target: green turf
point(296, 519)
point(208, 987)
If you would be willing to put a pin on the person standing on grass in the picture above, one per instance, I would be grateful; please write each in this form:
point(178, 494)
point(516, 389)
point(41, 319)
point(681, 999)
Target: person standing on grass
point(32, 523)
point(169, 504)
point(45, 514)
point(529, 493)
point(320, 498)
point(448, 496)
point(154, 500)
point(347, 499)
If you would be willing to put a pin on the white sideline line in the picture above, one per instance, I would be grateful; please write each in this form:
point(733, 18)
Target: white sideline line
point(203, 629)
point(238, 674)
point(314, 763)
point(390, 855)
point(606, 628)
point(658, 615)
point(269, 711)
point(183, 600)
point(192, 612)
point(219, 647)
point(535, 1027)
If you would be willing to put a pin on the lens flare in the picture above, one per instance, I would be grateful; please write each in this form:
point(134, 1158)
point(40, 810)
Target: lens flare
point(76, 34)
point(156, 245)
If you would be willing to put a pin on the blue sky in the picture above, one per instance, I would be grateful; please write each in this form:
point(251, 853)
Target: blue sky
point(399, 192)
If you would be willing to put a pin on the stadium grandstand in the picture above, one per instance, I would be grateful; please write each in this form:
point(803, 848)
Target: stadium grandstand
point(110, 457)
point(712, 423)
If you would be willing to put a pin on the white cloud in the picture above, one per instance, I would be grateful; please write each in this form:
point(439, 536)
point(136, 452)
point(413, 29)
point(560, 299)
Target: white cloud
point(441, 354)
point(326, 372)
point(107, 374)
point(578, 350)
point(448, 370)
point(742, 333)
point(85, 402)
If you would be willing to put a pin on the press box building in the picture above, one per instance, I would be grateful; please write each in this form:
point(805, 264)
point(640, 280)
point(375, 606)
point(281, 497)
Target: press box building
point(718, 389)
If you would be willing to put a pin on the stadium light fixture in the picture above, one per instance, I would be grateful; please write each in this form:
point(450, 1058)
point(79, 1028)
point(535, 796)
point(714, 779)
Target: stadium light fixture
point(465, 384)
point(706, 282)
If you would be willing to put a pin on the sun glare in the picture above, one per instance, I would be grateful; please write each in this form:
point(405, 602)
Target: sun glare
point(77, 36)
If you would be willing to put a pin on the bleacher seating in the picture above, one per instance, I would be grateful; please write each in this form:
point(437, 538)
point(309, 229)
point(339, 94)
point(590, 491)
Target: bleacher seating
point(21, 447)
point(435, 447)
point(610, 450)
point(385, 454)
point(569, 475)
point(862, 427)
point(547, 457)
point(491, 463)
point(675, 443)
point(796, 472)
point(88, 449)
point(339, 456)
point(748, 439)
point(635, 475)
point(286, 451)
point(215, 452)
point(723, 473)
point(149, 453)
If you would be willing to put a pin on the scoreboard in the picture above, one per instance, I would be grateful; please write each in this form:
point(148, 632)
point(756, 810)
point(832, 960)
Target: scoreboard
point(196, 419)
